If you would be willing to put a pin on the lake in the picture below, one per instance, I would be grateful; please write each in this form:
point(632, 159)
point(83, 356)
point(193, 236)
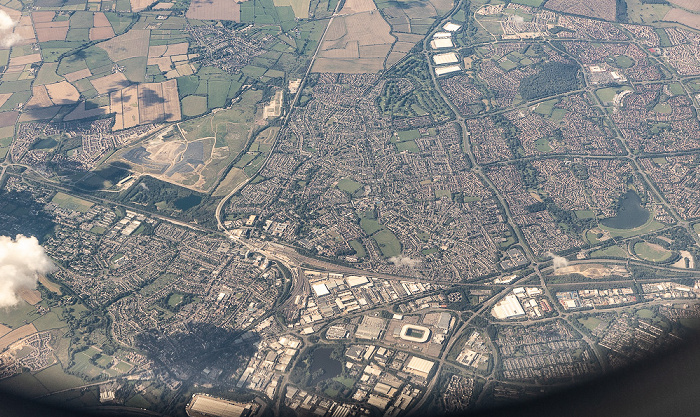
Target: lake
point(321, 359)
point(630, 215)
point(186, 203)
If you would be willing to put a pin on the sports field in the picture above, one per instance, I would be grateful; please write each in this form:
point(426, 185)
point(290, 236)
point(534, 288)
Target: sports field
point(71, 203)
point(652, 252)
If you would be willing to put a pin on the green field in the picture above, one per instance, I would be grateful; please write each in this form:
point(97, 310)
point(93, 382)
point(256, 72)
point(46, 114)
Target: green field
point(409, 146)
point(406, 135)
point(388, 243)
point(348, 185)
point(584, 214)
point(542, 145)
point(652, 253)
point(623, 61)
point(24, 384)
point(370, 226)
point(175, 299)
point(590, 322)
point(358, 248)
point(612, 251)
point(18, 315)
point(194, 105)
point(606, 95)
point(676, 89)
point(639, 12)
point(71, 203)
point(48, 321)
point(545, 108)
point(55, 379)
point(645, 313)
point(663, 108)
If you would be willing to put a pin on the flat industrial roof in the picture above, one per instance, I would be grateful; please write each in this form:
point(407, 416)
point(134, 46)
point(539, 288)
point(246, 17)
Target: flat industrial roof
point(216, 407)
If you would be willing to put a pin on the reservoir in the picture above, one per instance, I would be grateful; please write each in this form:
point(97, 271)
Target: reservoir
point(631, 214)
point(186, 203)
point(321, 359)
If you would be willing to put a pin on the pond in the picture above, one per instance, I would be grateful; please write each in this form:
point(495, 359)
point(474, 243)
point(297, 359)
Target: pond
point(186, 203)
point(631, 214)
point(323, 366)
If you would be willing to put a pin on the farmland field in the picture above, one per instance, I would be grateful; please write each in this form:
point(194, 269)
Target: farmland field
point(346, 35)
point(683, 17)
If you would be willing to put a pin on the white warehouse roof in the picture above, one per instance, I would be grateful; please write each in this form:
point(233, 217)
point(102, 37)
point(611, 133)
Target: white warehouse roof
point(508, 307)
point(419, 366)
point(446, 58)
point(446, 70)
point(440, 43)
point(320, 289)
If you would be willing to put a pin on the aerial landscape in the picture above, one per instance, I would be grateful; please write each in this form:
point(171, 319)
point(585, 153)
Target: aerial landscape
point(341, 208)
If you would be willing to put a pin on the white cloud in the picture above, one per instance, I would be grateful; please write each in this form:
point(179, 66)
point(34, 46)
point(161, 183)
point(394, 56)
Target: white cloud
point(7, 25)
point(404, 261)
point(21, 259)
point(558, 261)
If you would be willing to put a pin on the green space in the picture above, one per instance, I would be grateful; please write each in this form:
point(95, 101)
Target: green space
point(407, 135)
point(676, 89)
point(623, 61)
point(175, 299)
point(590, 322)
point(652, 252)
point(663, 108)
point(611, 252)
point(50, 320)
point(349, 185)
point(553, 78)
point(645, 313)
point(545, 108)
point(542, 145)
point(691, 323)
point(648, 227)
point(370, 226)
point(83, 363)
point(348, 382)
point(358, 248)
point(388, 243)
point(507, 64)
point(194, 106)
point(584, 214)
point(55, 379)
point(409, 146)
point(395, 101)
point(19, 315)
point(24, 384)
point(558, 115)
point(98, 230)
point(647, 12)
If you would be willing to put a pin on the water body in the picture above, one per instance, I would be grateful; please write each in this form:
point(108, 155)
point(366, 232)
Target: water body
point(321, 359)
point(186, 203)
point(630, 215)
